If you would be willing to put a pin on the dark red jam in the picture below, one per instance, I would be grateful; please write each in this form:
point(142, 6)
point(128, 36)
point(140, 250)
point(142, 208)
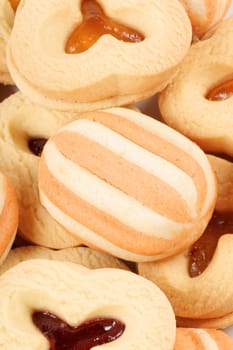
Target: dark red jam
point(221, 92)
point(36, 145)
point(62, 336)
point(202, 251)
point(6, 91)
point(95, 24)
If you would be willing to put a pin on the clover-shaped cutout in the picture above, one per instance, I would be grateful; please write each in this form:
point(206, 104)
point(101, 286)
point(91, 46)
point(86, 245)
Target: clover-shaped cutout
point(95, 24)
point(125, 51)
point(91, 333)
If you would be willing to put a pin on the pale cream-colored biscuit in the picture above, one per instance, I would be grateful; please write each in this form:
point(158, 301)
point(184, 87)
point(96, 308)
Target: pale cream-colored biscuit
point(202, 339)
point(9, 216)
point(127, 184)
point(20, 121)
point(36, 289)
point(79, 255)
point(6, 24)
point(207, 299)
point(184, 104)
point(111, 72)
point(205, 14)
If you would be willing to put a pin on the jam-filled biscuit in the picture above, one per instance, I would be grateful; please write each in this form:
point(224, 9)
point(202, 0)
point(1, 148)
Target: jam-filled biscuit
point(89, 54)
point(201, 292)
point(127, 184)
point(205, 14)
point(6, 23)
point(47, 304)
point(202, 339)
point(8, 216)
point(198, 102)
point(24, 128)
point(80, 255)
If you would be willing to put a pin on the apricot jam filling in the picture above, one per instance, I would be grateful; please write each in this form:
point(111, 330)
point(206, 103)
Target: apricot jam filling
point(221, 92)
point(202, 251)
point(87, 335)
point(95, 24)
point(14, 4)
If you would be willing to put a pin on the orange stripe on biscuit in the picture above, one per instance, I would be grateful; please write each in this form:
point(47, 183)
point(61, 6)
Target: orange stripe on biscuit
point(8, 218)
point(98, 221)
point(157, 145)
point(124, 175)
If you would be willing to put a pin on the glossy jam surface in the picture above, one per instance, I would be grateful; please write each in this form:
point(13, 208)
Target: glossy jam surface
point(36, 145)
point(61, 336)
point(6, 91)
point(221, 92)
point(202, 251)
point(95, 24)
point(14, 4)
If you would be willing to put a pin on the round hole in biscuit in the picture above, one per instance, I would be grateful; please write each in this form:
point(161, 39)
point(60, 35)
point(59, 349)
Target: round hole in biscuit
point(29, 128)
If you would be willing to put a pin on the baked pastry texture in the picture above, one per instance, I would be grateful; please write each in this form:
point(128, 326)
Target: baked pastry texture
point(8, 216)
point(202, 339)
point(6, 24)
point(24, 127)
point(205, 14)
point(80, 255)
point(36, 294)
point(127, 184)
point(54, 69)
point(201, 293)
point(197, 102)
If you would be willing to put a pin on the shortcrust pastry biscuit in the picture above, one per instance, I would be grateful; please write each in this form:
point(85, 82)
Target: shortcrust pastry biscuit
point(24, 127)
point(127, 184)
point(205, 14)
point(8, 216)
point(202, 339)
point(198, 101)
point(80, 255)
point(201, 292)
point(6, 24)
point(86, 54)
point(44, 302)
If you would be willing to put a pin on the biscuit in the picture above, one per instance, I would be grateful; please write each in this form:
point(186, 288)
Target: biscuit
point(205, 14)
point(49, 69)
point(38, 293)
point(204, 339)
point(22, 125)
point(8, 216)
point(6, 24)
point(80, 255)
point(201, 294)
point(186, 104)
point(127, 184)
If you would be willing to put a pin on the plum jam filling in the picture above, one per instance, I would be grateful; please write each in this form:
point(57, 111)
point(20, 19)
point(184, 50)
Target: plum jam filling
point(36, 145)
point(6, 91)
point(62, 336)
point(221, 92)
point(95, 24)
point(202, 251)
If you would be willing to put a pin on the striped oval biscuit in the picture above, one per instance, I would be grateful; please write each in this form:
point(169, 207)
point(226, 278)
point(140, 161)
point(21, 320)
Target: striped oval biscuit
point(205, 14)
point(127, 184)
point(8, 216)
point(202, 339)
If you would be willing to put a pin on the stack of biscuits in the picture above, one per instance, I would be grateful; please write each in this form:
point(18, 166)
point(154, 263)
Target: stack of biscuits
point(115, 225)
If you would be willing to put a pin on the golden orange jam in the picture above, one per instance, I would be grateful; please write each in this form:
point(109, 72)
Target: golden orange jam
point(14, 4)
point(95, 24)
point(202, 251)
point(221, 92)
